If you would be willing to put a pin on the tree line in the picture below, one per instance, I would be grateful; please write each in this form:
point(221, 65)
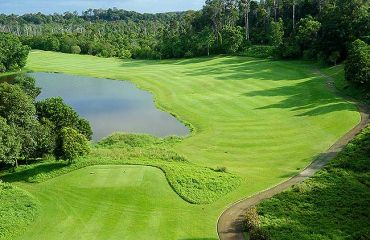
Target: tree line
point(326, 30)
point(31, 129)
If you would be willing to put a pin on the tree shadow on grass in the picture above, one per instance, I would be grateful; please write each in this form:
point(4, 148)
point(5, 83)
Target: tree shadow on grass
point(308, 98)
point(26, 173)
point(242, 69)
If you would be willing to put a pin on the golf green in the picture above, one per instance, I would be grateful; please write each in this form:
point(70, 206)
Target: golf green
point(261, 119)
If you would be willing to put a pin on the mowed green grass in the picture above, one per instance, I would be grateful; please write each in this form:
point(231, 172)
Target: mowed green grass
point(264, 120)
point(110, 202)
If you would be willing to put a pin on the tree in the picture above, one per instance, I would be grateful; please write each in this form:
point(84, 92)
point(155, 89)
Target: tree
point(57, 112)
point(73, 144)
point(307, 33)
point(28, 85)
point(10, 145)
point(61, 116)
point(16, 106)
point(357, 68)
point(83, 127)
point(232, 39)
point(277, 32)
point(246, 6)
point(13, 54)
point(19, 111)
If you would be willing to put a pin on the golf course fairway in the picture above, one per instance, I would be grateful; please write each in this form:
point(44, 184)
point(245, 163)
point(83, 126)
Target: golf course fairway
point(263, 120)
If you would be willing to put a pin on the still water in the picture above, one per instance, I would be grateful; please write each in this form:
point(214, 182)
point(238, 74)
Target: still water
point(109, 105)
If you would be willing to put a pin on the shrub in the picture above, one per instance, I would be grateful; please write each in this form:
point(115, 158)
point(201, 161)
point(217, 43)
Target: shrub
point(333, 58)
point(221, 169)
point(258, 234)
point(252, 225)
point(287, 50)
point(73, 144)
point(357, 68)
point(259, 51)
point(75, 49)
point(252, 220)
point(128, 140)
point(125, 54)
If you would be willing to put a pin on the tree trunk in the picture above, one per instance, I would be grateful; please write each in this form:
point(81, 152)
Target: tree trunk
point(275, 11)
point(293, 14)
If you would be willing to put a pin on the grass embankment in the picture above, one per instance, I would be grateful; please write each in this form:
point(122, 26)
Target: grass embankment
point(334, 204)
point(17, 210)
point(263, 120)
point(195, 184)
point(337, 73)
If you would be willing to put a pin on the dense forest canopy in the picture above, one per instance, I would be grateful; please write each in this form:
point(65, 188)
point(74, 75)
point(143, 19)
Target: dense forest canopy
point(309, 28)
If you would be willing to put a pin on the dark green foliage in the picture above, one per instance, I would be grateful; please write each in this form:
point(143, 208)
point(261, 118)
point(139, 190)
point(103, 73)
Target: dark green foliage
point(10, 146)
point(320, 28)
point(232, 38)
point(13, 54)
point(357, 68)
point(28, 134)
point(259, 51)
point(59, 115)
point(83, 127)
point(19, 111)
point(334, 204)
point(16, 106)
point(28, 85)
point(306, 36)
point(287, 50)
point(73, 144)
point(57, 112)
point(277, 32)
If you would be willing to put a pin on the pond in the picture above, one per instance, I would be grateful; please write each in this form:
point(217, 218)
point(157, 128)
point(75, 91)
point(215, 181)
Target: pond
point(110, 105)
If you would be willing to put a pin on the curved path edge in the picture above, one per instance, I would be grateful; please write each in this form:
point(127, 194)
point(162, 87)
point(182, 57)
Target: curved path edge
point(230, 223)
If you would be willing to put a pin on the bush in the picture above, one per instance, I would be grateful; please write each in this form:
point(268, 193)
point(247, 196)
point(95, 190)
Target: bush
point(75, 49)
point(252, 225)
point(357, 68)
point(258, 234)
point(252, 220)
point(125, 54)
point(287, 50)
point(259, 51)
point(73, 144)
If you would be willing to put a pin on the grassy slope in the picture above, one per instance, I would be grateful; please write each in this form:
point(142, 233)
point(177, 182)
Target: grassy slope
point(335, 203)
point(263, 120)
point(337, 73)
point(17, 210)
